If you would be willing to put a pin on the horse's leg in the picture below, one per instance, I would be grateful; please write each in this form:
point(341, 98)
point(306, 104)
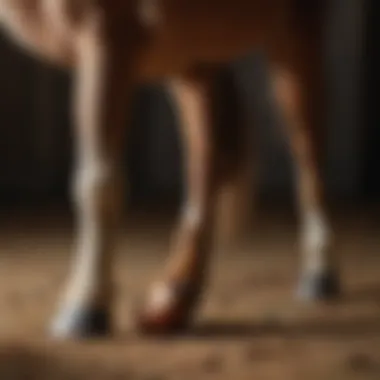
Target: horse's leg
point(171, 301)
point(298, 82)
point(234, 157)
point(101, 91)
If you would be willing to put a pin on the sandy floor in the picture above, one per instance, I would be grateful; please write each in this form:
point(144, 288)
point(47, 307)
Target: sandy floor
point(250, 326)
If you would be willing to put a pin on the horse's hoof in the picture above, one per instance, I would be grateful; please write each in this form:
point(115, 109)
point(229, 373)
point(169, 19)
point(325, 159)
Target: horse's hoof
point(173, 315)
point(81, 323)
point(319, 286)
point(167, 322)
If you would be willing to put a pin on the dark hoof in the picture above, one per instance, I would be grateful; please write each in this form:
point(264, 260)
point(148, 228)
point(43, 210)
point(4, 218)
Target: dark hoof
point(175, 319)
point(319, 286)
point(82, 323)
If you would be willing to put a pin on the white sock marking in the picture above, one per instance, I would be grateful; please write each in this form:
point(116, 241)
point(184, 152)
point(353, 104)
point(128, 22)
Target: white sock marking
point(315, 240)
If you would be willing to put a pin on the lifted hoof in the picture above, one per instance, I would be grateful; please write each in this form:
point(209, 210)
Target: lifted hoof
point(81, 323)
point(170, 310)
point(319, 286)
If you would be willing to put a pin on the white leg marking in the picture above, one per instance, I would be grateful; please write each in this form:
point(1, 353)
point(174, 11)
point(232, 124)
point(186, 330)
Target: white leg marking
point(92, 193)
point(315, 240)
point(192, 214)
point(162, 297)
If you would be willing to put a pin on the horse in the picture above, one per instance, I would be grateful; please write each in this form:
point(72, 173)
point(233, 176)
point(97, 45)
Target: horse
point(111, 47)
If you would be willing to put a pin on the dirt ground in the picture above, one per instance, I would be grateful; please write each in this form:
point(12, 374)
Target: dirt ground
point(250, 326)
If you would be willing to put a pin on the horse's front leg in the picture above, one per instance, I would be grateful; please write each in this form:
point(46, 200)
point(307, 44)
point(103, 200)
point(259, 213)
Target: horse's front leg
point(171, 301)
point(101, 97)
point(299, 88)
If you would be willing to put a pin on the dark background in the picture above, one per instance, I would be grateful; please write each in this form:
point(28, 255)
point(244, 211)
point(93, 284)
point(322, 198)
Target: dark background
point(35, 129)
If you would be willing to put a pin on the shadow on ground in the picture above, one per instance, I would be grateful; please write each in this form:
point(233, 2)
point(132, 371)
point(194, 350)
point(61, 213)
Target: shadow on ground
point(358, 328)
point(21, 363)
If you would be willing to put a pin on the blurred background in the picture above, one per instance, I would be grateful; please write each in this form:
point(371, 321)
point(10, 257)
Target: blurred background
point(35, 133)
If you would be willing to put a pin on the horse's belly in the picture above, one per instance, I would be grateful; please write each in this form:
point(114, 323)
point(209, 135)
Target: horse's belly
point(169, 59)
point(198, 37)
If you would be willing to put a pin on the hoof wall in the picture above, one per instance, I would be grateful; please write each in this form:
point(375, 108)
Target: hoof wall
point(160, 325)
point(82, 323)
point(319, 286)
point(173, 319)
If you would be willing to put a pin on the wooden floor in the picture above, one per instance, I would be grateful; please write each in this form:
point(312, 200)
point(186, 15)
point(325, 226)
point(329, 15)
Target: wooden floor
point(250, 326)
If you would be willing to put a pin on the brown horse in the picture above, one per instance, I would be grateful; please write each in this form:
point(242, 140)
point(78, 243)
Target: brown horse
point(113, 46)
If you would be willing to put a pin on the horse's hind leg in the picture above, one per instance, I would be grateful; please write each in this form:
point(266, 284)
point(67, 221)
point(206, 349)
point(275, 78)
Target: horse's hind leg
point(100, 100)
point(235, 157)
point(298, 83)
point(171, 302)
